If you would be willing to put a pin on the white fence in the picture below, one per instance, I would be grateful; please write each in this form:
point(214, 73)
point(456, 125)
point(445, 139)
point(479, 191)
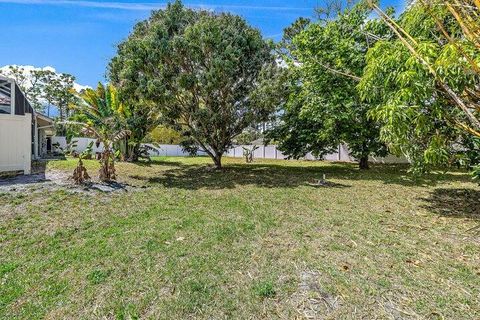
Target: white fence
point(271, 152)
point(16, 143)
point(263, 152)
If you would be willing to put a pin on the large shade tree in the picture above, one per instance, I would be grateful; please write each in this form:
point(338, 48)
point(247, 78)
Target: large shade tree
point(201, 70)
point(325, 109)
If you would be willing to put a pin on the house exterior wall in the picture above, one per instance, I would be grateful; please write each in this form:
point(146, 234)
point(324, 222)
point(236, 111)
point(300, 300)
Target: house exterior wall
point(16, 143)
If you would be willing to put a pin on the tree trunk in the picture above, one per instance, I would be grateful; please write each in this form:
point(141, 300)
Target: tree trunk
point(217, 160)
point(135, 152)
point(363, 164)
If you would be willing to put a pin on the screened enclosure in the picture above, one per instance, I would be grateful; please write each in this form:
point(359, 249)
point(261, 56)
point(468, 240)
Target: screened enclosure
point(5, 96)
point(12, 99)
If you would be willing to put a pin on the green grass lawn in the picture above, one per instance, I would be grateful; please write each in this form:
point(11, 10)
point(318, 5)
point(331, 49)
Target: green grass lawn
point(253, 241)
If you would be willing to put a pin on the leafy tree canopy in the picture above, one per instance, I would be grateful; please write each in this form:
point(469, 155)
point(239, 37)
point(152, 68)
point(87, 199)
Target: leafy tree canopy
point(325, 108)
point(201, 70)
point(425, 83)
point(164, 135)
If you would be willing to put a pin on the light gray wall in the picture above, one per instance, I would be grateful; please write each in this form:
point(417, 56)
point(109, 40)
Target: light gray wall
point(16, 143)
point(263, 152)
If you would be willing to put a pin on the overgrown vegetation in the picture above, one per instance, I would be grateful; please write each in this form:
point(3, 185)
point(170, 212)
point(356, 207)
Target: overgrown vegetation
point(326, 59)
point(410, 82)
point(425, 82)
point(101, 116)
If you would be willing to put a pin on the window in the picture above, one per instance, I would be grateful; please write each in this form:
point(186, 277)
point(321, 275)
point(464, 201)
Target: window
point(5, 97)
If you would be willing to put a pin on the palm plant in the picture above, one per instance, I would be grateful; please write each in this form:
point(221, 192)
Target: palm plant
point(101, 116)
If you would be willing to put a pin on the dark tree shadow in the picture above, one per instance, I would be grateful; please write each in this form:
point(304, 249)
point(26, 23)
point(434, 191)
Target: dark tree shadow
point(459, 203)
point(282, 176)
point(153, 162)
point(196, 177)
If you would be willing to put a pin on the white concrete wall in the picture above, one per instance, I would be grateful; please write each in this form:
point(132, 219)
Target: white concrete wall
point(263, 152)
point(82, 144)
point(389, 159)
point(16, 143)
point(61, 141)
point(168, 150)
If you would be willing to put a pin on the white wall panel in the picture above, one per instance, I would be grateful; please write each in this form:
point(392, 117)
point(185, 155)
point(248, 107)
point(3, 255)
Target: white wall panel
point(16, 143)
point(263, 152)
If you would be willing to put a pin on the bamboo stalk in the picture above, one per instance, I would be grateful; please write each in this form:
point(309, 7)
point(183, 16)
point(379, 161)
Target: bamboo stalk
point(467, 128)
point(390, 20)
point(450, 39)
point(460, 21)
point(477, 3)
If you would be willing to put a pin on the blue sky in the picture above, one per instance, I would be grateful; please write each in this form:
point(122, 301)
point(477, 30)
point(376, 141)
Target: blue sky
point(79, 37)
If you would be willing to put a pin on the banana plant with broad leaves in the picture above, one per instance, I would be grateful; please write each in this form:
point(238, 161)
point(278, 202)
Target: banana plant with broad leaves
point(101, 116)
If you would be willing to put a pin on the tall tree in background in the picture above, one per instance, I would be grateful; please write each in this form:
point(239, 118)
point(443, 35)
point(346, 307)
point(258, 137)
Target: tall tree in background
point(325, 107)
point(30, 82)
point(63, 94)
point(164, 135)
point(426, 82)
point(201, 70)
point(45, 88)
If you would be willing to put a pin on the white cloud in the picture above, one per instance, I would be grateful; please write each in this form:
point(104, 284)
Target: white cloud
point(148, 6)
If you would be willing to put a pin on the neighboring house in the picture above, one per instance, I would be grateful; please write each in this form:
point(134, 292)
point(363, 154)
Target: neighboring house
point(25, 135)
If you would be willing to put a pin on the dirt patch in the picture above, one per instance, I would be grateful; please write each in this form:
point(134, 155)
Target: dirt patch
point(55, 180)
point(22, 182)
point(312, 300)
point(396, 313)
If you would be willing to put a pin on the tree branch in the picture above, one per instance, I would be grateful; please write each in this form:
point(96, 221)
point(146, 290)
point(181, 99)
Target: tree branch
point(398, 31)
point(351, 76)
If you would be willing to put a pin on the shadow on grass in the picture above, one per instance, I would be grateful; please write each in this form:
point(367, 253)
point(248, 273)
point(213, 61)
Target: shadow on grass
point(285, 175)
point(157, 162)
point(37, 176)
point(458, 203)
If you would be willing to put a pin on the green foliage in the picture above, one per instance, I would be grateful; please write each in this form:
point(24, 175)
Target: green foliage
point(476, 174)
point(264, 289)
point(248, 136)
point(201, 70)
point(419, 119)
point(103, 118)
point(140, 118)
point(87, 153)
point(325, 108)
point(164, 135)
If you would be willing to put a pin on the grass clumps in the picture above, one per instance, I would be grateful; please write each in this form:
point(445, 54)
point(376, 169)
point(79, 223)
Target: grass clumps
point(264, 289)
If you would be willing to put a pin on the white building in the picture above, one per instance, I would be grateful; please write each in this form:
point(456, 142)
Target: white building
point(25, 135)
